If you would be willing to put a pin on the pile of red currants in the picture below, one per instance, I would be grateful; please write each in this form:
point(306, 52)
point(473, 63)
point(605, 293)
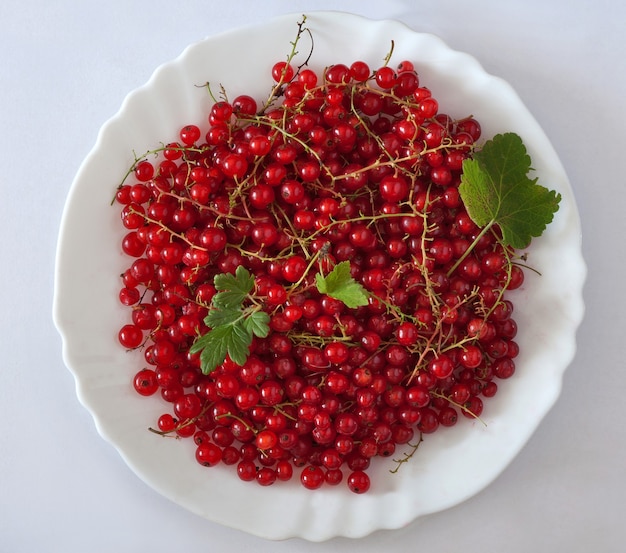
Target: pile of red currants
point(349, 165)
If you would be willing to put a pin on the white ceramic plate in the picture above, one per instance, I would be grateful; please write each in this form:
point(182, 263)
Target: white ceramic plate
point(452, 464)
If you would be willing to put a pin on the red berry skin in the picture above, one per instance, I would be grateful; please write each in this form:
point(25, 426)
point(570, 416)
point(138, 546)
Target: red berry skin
point(312, 477)
point(359, 71)
point(282, 72)
point(145, 382)
point(144, 171)
point(441, 366)
point(246, 470)
point(266, 476)
point(130, 336)
point(294, 268)
point(208, 454)
point(190, 134)
point(358, 482)
point(385, 77)
point(187, 406)
point(407, 333)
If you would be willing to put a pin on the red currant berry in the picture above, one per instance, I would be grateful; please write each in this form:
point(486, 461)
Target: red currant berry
point(190, 134)
point(145, 382)
point(358, 482)
point(312, 477)
point(282, 72)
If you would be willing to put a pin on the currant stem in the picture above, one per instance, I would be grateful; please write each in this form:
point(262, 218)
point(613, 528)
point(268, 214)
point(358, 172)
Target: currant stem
point(458, 405)
point(476, 240)
point(406, 456)
point(278, 87)
point(387, 58)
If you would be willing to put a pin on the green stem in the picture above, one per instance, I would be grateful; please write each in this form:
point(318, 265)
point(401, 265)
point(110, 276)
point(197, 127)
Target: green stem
point(458, 405)
point(471, 247)
point(407, 456)
point(277, 88)
point(315, 257)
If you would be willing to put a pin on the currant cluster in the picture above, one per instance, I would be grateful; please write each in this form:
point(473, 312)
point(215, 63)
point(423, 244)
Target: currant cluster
point(354, 165)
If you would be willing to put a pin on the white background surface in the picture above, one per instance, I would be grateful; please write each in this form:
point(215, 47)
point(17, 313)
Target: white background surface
point(66, 67)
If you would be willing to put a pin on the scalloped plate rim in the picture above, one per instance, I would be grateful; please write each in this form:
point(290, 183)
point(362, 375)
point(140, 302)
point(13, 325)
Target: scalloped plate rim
point(90, 395)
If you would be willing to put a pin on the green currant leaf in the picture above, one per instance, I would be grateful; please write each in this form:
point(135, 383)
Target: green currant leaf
point(258, 323)
point(222, 316)
point(340, 285)
point(496, 189)
point(212, 347)
point(232, 326)
point(230, 339)
point(238, 343)
point(232, 289)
